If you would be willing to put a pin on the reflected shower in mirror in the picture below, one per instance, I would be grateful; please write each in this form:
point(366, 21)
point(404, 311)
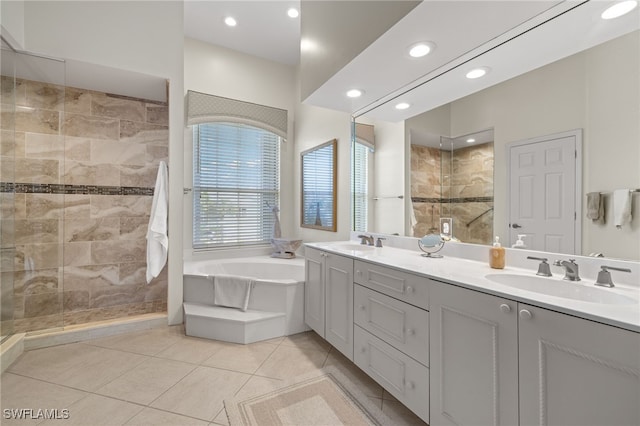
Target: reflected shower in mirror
point(452, 185)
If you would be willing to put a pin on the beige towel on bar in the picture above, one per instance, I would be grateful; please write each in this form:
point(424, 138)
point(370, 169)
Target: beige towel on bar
point(595, 207)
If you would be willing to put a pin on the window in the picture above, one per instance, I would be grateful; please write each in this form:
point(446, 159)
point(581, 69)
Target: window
point(235, 184)
point(360, 186)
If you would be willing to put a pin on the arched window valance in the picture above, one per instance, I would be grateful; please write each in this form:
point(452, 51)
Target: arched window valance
point(204, 108)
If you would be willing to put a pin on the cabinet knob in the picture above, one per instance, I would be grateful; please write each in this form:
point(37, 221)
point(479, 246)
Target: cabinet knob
point(409, 289)
point(358, 272)
point(363, 349)
point(411, 385)
point(362, 307)
point(505, 308)
point(411, 332)
point(525, 314)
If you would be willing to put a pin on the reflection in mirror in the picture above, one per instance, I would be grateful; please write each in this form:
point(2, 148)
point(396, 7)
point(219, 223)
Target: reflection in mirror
point(596, 90)
point(452, 185)
point(362, 149)
point(318, 206)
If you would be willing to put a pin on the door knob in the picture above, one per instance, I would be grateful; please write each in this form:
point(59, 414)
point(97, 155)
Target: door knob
point(515, 226)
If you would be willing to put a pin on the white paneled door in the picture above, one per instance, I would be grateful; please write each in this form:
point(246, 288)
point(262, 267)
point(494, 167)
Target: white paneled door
point(544, 192)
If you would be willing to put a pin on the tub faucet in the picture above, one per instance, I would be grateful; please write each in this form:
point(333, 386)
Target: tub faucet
point(366, 240)
point(571, 269)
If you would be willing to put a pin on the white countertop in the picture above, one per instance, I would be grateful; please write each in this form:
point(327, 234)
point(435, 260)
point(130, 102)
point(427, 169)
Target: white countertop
point(471, 274)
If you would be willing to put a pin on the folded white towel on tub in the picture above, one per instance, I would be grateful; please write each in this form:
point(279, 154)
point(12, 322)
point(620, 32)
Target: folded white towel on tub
point(621, 207)
point(232, 291)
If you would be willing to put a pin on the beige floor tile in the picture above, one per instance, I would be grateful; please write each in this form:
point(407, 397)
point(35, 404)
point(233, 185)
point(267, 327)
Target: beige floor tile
point(147, 381)
point(151, 416)
point(257, 386)
point(290, 361)
point(191, 349)
point(400, 415)
point(20, 392)
point(221, 418)
point(96, 410)
point(307, 340)
point(364, 383)
point(77, 365)
point(242, 358)
point(146, 342)
point(201, 393)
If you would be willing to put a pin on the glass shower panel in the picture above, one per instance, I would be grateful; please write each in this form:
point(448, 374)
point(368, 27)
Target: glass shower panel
point(39, 192)
point(7, 194)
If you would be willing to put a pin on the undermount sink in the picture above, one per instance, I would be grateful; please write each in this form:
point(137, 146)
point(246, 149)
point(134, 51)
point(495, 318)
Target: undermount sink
point(561, 288)
point(353, 247)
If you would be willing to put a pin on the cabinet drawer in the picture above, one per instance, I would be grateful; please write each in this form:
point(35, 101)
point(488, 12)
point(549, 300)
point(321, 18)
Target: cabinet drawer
point(401, 285)
point(401, 325)
point(399, 374)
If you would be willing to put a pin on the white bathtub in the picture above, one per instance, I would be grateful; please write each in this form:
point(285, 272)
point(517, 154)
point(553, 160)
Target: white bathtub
point(279, 288)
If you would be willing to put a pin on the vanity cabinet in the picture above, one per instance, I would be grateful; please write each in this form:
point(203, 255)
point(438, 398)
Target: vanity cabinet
point(328, 298)
point(575, 371)
point(474, 358)
point(496, 361)
point(391, 336)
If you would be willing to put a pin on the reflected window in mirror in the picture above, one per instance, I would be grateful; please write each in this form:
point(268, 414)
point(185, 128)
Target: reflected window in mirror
point(318, 199)
point(362, 148)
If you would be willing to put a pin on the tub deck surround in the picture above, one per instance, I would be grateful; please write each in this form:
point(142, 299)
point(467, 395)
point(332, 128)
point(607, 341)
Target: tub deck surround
point(275, 304)
point(471, 274)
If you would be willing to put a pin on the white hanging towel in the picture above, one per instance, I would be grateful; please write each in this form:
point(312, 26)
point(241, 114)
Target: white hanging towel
point(157, 239)
point(232, 291)
point(621, 207)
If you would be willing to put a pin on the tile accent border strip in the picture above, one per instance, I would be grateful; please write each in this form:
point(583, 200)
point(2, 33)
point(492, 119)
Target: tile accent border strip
point(52, 188)
point(452, 200)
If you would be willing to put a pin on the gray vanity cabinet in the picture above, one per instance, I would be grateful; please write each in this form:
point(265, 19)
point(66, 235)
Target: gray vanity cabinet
point(498, 362)
point(576, 372)
point(474, 358)
point(328, 306)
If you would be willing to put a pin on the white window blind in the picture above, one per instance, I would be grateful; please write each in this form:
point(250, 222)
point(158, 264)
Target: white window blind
point(359, 187)
point(235, 184)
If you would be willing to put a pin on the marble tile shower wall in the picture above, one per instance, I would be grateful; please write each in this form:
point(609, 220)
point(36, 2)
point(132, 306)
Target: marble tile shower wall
point(457, 185)
point(84, 166)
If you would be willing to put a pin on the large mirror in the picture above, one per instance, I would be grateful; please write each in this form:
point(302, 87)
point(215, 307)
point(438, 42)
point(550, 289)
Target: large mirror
point(318, 187)
point(594, 93)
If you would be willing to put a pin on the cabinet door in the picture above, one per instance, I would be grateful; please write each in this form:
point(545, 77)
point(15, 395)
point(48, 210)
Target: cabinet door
point(339, 303)
point(399, 374)
point(577, 372)
point(474, 354)
point(314, 290)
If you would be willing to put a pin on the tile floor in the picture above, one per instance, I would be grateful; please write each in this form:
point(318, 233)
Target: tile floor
point(162, 377)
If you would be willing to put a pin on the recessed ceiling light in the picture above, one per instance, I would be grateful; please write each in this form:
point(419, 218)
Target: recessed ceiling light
point(619, 9)
point(231, 22)
point(293, 12)
point(477, 72)
point(421, 49)
point(471, 140)
point(354, 93)
point(402, 105)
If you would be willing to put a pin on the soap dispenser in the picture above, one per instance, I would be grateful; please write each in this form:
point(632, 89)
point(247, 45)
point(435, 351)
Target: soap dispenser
point(496, 255)
point(519, 244)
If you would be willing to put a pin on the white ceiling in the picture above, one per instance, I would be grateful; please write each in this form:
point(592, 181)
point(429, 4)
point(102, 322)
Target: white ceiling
point(264, 29)
point(466, 33)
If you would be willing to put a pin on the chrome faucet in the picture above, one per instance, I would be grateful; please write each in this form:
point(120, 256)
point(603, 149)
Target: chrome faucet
point(571, 269)
point(366, 240)
point(379, 241)
point(543, 267)
point(604, 276)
